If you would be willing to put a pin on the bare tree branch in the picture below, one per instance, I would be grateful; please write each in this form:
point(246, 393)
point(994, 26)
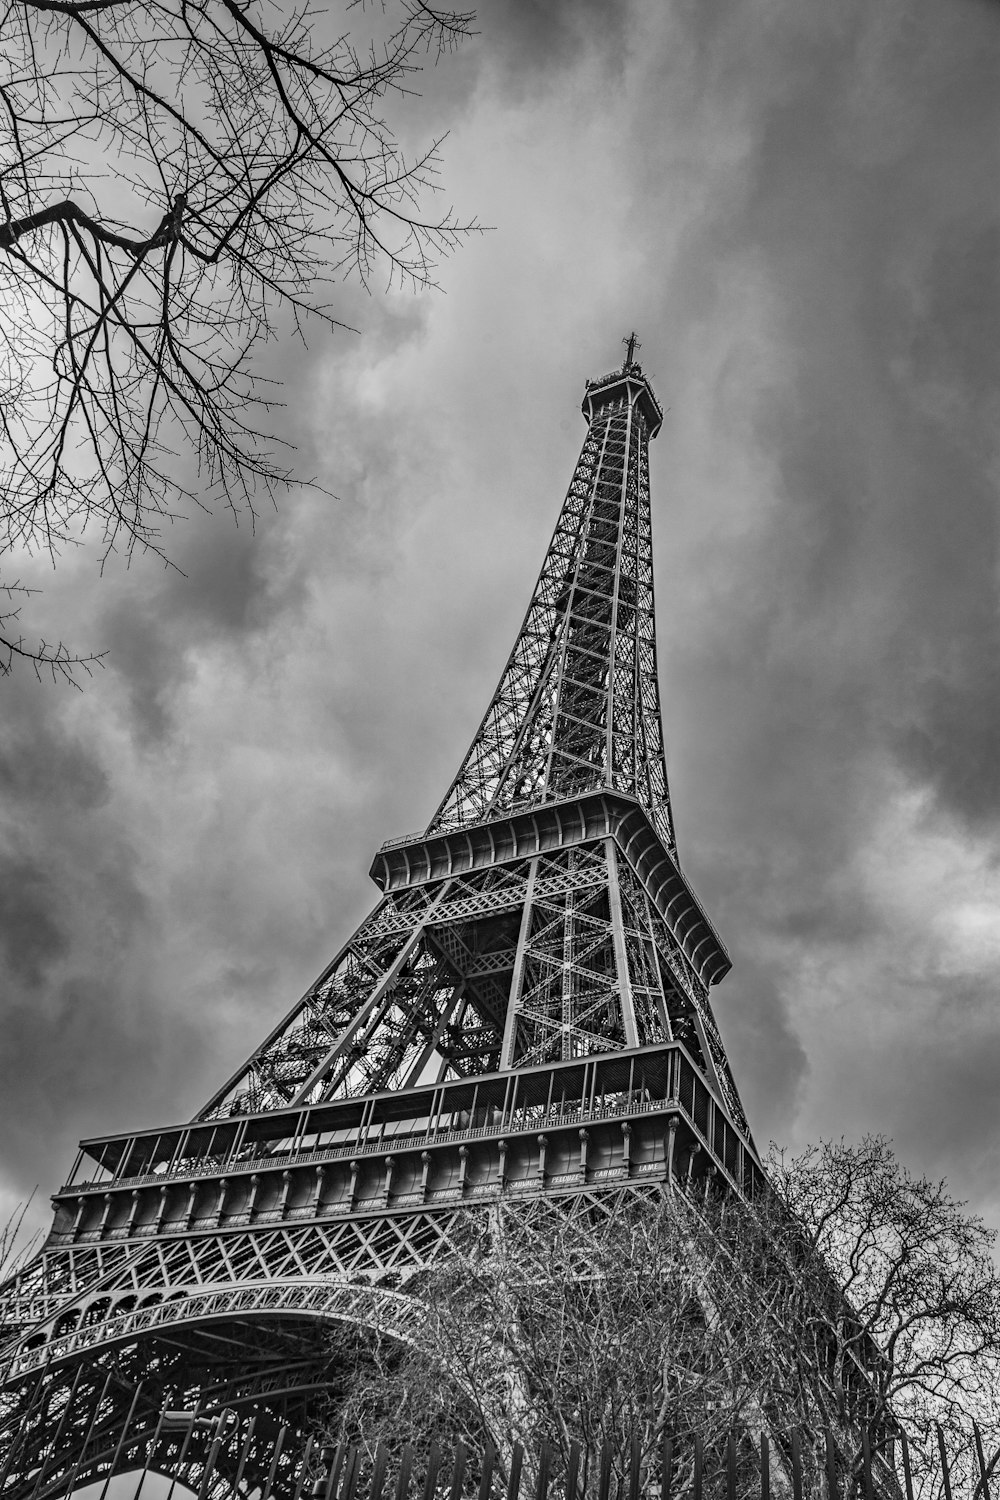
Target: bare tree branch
point(56, 661)
point(177, 176)
point(921, 1282)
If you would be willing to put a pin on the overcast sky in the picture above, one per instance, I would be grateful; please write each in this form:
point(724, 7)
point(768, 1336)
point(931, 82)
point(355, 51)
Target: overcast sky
point(796, 206)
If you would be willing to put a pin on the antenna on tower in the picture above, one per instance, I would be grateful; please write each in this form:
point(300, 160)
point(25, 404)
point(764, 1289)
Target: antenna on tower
point(633, 345)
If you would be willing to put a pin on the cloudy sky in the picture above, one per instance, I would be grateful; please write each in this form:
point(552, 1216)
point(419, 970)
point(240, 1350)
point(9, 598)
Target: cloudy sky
point(795, 204)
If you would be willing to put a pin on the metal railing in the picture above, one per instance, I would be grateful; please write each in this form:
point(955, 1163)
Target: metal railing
point(193, 1447)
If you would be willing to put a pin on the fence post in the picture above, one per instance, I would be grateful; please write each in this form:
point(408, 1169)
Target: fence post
point(269, 1481)
point(985, 1479)
point(304, 1470)
point(87, 1435)
point(351, 1470)
point(430, 1482)
point(604, 1480)
point(403, 1478)
point(907, 1476)
point(866, 1463)
point(35, 1401)
point(666, 1467)
point(731, 1468)
point(635, 1467)
point(150, 1449)
point(457, 1472)
point(831, 1465)
point(244, 1455)
point(945, 1476)
point(489, 1464)
point(697, 1466)
point(573, 1471)
point(15, 1442)
point(320, 1482)
point(121, 1444)
point(765, 1468)
point(405, 1469)
point(516, 1460)
point(379, 1468)
point(213, 1454)
point(796, 1465)
point(544, 1459)
point(333, 1474)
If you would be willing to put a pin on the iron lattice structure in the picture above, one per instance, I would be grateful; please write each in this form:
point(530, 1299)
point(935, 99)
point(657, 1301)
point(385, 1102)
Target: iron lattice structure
point(525, 1014)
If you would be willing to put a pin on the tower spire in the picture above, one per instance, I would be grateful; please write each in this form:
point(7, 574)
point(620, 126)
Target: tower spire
point(577, 707)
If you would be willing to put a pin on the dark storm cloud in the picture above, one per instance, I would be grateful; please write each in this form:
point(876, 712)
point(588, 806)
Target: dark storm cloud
point(900, 495)
point(534, 38)
point(97, 1058)
point(952, 737)
point(771, 1058)
point(47, 767)
point(43, 775)
point(218, 586)
point(30, 938)
point(147, 659)
point(69, 904)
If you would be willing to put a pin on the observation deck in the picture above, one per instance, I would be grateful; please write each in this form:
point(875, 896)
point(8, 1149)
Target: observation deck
point(623, 387)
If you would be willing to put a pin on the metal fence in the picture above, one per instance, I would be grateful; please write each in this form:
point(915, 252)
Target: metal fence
point(208, 1458)
point(796, 1466)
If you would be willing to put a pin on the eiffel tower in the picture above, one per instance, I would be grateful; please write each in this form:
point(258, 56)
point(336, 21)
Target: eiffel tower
point(524, 1014)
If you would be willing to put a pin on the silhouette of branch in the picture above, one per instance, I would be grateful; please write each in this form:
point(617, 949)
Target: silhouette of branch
point(182, 180)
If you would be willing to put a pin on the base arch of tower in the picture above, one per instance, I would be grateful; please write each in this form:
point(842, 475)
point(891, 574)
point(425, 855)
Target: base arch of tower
point(378, 1309)
point(220, 1390)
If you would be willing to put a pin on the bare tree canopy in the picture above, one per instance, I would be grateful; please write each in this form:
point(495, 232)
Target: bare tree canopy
point(709, 1315)
point(918, 1277)
point(176, 177)
point(589, 1323)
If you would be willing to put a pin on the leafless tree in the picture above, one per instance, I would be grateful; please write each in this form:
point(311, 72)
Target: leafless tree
point(919, 1281)
point(180, 181)
point(644, 1315)
point(851, 1297)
